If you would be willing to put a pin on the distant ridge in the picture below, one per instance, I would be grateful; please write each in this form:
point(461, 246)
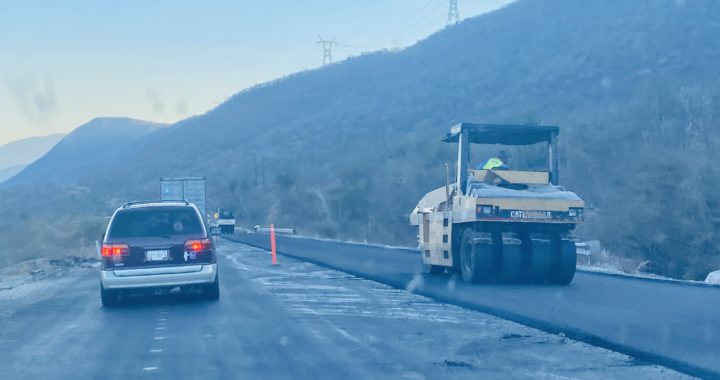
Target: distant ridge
point(102, 141)
point(25, 151)
point(9, 172)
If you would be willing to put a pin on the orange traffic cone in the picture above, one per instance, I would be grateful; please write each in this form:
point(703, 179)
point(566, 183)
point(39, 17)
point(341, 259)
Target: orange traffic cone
point(273, 245)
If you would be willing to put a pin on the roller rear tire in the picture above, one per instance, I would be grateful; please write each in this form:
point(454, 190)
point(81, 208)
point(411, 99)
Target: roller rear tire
point(563, 271)
point(512, 270)
point(475, 258)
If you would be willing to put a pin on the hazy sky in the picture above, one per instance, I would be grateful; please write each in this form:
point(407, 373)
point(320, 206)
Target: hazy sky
point(64, 62)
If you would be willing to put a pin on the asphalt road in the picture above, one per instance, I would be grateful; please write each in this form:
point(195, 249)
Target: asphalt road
point(668, 323)
point(293, 321)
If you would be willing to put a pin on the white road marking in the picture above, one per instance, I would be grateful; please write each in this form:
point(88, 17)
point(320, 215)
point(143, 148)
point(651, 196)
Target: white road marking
point(160, 328)
point(162, 320)
point(156, 351)
point(159, 338)
point(150, 369)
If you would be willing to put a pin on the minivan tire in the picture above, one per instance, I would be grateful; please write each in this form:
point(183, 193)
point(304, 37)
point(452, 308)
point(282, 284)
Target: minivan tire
point(212, 291)
point(108, 297)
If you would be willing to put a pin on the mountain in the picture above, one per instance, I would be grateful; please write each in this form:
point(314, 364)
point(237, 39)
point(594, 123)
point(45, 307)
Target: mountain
point(15, 155)
point(347, 150)
point(97, 144)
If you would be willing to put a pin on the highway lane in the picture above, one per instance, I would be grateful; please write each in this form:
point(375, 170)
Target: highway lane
point(70, 336)
point(296, 320)
point(669, 323)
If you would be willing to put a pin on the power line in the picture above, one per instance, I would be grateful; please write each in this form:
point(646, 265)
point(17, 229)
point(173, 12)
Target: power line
point(421, 19)
point(405, 21)
point(453, 13)
point(431, 23)
point(420, 15)
point(310, 54)
point(425, 21)
point(327, 46)
point(489, 3)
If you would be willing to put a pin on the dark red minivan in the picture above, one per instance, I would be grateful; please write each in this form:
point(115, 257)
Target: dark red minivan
point(157, 246)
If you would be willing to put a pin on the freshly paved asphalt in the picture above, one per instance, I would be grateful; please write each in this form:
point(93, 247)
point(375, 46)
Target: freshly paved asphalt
point(297, 320)
point(673, 324)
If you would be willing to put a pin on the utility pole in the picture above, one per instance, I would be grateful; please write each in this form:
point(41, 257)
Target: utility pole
point(453, 13)
point(327, 49)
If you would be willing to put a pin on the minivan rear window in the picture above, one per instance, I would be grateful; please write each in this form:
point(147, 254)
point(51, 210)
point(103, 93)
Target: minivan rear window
point(155, 222)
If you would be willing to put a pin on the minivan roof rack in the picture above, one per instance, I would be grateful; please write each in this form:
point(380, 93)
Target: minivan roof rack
point(136, 203)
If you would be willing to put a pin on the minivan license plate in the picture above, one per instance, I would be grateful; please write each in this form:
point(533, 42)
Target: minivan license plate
point(156, 255)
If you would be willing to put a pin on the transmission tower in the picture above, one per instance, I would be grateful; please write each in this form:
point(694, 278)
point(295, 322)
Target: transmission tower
point(327, 46)
point(453, 13)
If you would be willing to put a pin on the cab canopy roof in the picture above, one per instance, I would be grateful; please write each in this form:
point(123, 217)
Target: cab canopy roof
point(505, 134)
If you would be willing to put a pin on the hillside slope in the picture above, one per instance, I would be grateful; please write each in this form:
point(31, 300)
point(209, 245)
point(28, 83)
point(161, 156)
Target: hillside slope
point(346, 150)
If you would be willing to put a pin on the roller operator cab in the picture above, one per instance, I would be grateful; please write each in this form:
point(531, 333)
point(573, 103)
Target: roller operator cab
point(511, 223)
point(155, 247)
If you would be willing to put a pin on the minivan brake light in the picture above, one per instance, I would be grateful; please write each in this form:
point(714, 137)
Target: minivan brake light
point(198, 245)
point(114, 250)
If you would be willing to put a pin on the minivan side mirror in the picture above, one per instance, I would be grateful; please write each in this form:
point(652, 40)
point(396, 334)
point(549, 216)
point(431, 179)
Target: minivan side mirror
point(215, 231)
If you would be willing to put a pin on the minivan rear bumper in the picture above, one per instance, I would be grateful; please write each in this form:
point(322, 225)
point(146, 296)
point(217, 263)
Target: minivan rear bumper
point(158, 277)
